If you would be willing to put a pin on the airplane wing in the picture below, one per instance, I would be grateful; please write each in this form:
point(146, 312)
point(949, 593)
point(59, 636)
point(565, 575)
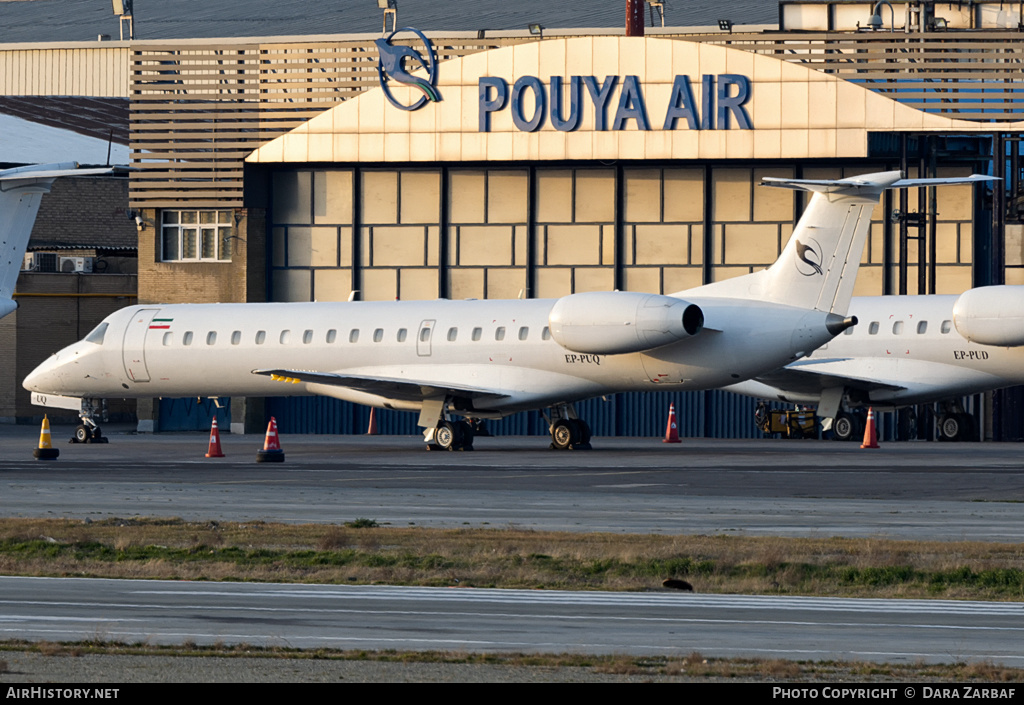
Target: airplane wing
point(813, 376)
point(390, 387)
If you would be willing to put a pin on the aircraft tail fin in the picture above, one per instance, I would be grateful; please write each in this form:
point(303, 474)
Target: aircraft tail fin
point(818, 266)
point(21, 190)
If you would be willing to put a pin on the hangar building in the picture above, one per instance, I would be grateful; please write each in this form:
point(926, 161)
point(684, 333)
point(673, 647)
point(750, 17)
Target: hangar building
point(566, 160)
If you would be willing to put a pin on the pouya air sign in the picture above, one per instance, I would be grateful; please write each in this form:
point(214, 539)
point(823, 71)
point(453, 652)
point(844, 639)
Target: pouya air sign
point(532, 102)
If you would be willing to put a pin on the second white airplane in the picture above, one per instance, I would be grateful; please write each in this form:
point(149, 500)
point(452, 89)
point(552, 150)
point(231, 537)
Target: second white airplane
point(487, 359)
point(908, 350)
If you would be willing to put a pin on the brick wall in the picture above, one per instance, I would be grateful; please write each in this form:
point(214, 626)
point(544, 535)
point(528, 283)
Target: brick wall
point(85, 211)
point(55, 310)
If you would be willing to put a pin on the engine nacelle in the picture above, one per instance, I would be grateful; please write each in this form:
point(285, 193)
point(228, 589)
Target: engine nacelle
point(613, 322)
point(991, 315)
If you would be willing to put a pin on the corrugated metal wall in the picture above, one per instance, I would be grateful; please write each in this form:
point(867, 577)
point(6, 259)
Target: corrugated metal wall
point(712, 414)
point(100, 71)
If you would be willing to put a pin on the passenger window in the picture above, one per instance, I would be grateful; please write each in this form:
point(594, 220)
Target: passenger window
point(96, 336)
point(524, 333)
point(849, 331)
point(187, 338)
point(477, 332)
point(378, 335)
point(286, 335)
point(922, 327)
point(873, 328)
point(453, 333)
point(261, 337)
point(402, 333)
point(353, 336)
point(545, 334)
point(236, 337)
point(307, 337)
point(499, 334)
point(897, 328)
point(332, 335)
point(168, 338)
point(946, 327)
point(424, 334)
point(211, 337)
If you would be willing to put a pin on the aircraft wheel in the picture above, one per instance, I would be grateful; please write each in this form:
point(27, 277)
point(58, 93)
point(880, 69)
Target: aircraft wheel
point(843, 427)
point(967, 427)
point(584, 432)
point(448, 435)
point(950, 427)
point(564, 434)
point(467, 435)
point(82, 434)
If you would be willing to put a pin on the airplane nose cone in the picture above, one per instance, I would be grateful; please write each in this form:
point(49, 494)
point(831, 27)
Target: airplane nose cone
point(44, 378)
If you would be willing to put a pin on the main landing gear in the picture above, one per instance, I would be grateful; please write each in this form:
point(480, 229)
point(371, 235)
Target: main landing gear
point(450, 435)
point(955, 424)
point(568, 431)
point(89, 431)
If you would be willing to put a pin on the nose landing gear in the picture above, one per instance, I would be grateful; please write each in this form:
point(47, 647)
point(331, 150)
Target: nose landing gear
point(89, 431)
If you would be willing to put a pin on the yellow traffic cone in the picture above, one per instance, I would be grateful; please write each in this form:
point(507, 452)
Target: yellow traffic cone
point(45, 451)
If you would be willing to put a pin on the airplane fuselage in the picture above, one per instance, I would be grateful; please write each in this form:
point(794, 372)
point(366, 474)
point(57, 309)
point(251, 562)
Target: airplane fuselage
point(207, 350)
point(909, 346)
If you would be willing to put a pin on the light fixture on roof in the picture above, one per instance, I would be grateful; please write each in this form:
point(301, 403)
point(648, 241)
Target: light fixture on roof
point(536, 30)
point(875, 22)
point(123, 9)
point(725, 25)
point(390, 7)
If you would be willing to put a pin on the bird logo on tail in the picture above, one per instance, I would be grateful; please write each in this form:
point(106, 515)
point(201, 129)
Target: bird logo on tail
point(395, 63)
point(810, 256)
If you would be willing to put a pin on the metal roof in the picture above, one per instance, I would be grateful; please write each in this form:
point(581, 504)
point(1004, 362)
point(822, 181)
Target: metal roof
point(84, 20)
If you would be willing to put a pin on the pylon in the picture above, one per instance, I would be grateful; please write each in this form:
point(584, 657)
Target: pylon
point(214, 451)
point(671, 430)
point(271, 452)
point(372, 429)
point(870, 434)
point(45, 451)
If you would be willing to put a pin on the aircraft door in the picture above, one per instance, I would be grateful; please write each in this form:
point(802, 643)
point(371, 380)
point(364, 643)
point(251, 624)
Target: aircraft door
point(423, 338)
point(133, 350)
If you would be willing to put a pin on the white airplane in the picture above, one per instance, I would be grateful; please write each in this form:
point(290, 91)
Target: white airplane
point(908, 350)
point(487, 359)
point(21, 190)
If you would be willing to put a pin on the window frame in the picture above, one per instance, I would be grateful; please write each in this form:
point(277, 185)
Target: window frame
point(173, 229)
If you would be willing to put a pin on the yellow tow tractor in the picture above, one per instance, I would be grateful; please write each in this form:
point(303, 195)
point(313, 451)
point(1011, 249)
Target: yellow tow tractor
point(786, 423)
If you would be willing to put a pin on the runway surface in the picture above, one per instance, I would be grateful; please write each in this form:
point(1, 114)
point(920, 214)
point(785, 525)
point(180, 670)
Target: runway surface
point(922, 491)
point(966, 491)
point(528, 621)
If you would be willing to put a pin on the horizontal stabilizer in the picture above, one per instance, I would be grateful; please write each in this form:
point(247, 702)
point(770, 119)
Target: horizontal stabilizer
point(869, 183)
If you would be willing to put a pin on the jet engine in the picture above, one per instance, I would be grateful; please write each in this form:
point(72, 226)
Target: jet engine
point(991, 315)
point(613, 322)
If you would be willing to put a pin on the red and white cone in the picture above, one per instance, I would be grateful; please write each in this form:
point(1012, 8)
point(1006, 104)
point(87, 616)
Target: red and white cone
point(214, 451)
point(371, 430)
point(672, 429)
point(870, 433)
point(271, 452)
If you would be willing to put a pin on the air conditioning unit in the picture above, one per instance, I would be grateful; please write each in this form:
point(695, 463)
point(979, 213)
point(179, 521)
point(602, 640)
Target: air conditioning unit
point(76, 264)
point(40, 262)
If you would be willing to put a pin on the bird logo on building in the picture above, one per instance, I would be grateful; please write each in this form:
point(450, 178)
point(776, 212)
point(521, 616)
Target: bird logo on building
point(396, 62)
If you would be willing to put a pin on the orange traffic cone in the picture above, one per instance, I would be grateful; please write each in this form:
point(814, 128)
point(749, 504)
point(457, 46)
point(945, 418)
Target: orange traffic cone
point(372, 429)
point(214, 451)
point(671, 430)
point(45, 451)
point(271, 452)
point(870, 434)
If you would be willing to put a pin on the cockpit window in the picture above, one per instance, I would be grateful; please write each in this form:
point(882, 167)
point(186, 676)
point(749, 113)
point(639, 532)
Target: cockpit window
point(96, 336)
